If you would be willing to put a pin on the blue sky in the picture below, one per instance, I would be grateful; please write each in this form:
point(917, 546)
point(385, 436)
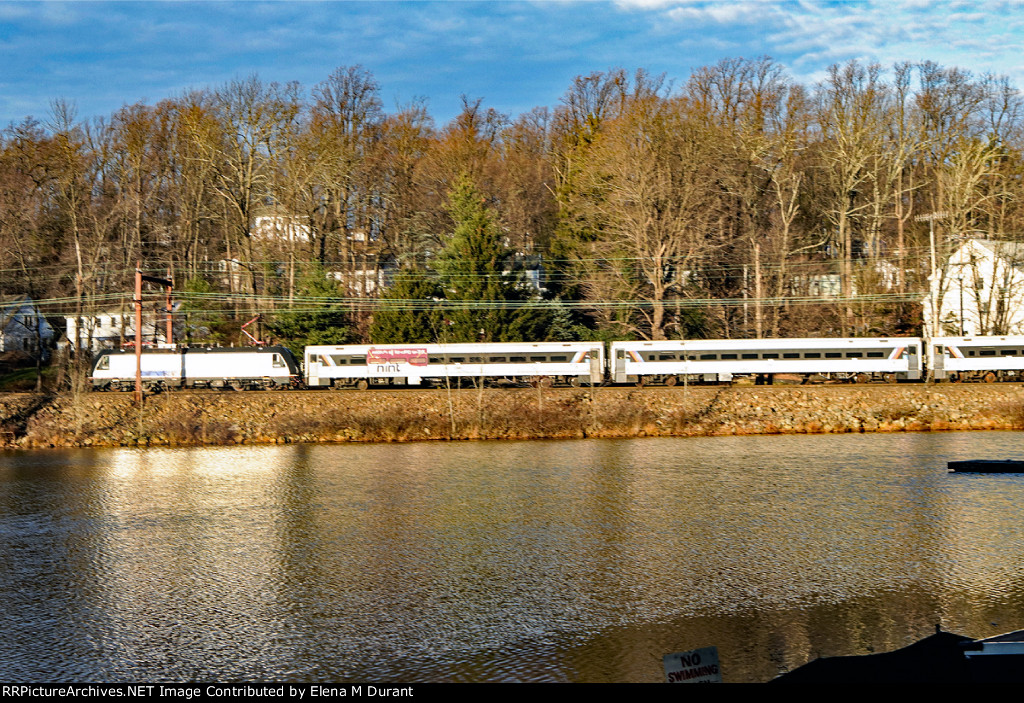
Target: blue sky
point(513, 55)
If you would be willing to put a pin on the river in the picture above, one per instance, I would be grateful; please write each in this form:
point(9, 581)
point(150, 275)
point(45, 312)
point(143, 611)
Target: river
point(500, 561)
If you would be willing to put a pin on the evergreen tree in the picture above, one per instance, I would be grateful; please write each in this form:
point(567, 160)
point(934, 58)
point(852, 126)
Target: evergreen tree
point(204, 316)
point(477, 273)
point(409, 312)
point(318, 316)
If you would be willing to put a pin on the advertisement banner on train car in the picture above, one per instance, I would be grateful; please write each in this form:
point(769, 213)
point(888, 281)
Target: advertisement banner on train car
point(396, 360)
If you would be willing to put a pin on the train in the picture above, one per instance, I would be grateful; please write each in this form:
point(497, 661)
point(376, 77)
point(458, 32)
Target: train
point(574, 364)
point(165, 366)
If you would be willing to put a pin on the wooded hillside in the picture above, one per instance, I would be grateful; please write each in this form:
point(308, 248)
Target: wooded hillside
point(737, 203)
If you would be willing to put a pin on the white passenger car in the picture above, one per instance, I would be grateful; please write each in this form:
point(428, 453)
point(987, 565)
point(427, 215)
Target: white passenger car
point(364, 365)
point(714, 360)
point(983, 358)
point(176, 367)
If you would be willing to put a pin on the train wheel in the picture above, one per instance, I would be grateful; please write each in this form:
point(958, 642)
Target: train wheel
point(990, 377)
point(545, 382)
point(641, 382)
point(671, 381)
point(574, 381)
point(362, 384)
point(861, 378)
point(890, 378)
point(954, 377)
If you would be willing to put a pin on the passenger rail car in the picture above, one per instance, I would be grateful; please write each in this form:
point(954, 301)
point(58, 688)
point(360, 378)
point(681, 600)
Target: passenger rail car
point(544, 363)
point(566, 363)
point(242, 368)
point(718, 360)
point(986, 359)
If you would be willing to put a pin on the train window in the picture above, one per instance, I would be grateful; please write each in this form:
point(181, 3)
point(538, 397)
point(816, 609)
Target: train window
point(833, 355)
point(436, 359)
point(456, 359)
point(770, 355)
point(538, 358)
point(339, 360)
point(1009, 352)
point(514, 359)
point(749, 356)
point(104, 364)
point(876, 355)
point(812, 355)
point(692, 357)
point(854, 355)
point(649, 357)
point(278, 362)
point(708, 356)
point(358, 360)
point(791, 355)
point(729, 356)
point(667, 357)
point(559, 358)
point(498, 359)
point(970, 352)
point(476, 359)
point(987, 352)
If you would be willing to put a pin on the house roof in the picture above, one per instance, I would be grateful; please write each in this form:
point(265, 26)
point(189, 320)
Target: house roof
point(11, 305)
point(1014, 251)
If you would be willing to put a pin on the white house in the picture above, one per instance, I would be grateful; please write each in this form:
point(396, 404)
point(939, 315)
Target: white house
point(22, 327)
point(111, 329)
point(979, 290)
point(363, 281)
point(281, 228)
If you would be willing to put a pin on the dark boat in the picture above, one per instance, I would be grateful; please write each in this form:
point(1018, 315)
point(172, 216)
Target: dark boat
point(940, 658)
point(988, 466)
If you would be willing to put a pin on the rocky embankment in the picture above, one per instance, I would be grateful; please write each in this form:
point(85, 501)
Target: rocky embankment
point(181, 419)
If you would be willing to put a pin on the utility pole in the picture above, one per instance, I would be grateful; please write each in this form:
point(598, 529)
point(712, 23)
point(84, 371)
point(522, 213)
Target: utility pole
point(960, 285)
point(139, 278)
point(933, 291)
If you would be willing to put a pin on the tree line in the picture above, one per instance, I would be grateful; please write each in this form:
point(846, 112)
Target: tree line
point(738, 203)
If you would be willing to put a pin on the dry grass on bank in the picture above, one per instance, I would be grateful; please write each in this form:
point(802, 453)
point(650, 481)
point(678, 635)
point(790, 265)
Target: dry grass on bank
point(256, 418)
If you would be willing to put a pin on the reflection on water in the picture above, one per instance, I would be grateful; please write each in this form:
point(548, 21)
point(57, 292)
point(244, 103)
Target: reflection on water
point(538, 561)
